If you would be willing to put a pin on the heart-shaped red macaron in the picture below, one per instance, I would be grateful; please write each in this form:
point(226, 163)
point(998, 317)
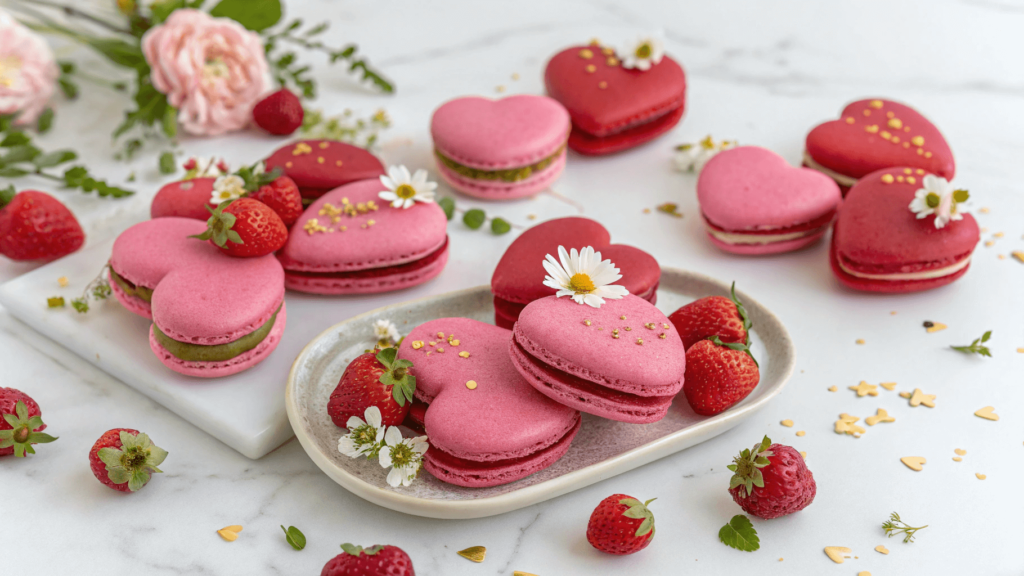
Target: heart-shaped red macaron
point(519, 276)
point(875, 134)
point(879, 244)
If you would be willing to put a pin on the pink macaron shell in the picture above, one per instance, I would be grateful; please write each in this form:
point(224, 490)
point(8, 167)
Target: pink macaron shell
point(503, 417)
point(555, 331)
point(499, 190)
point(184, 199)
point(133, 304)
point(227, 367)
point(753, 188)
point(397, 235)
point(403, 277)
point(769, 248)
point(146, 252)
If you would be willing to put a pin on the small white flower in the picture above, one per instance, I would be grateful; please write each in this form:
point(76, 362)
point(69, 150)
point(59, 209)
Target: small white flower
point(404, 190)
point(226, 188)
point(386, 333)
point(939, 198)
point(403, 455)
point(642, 54)
point(210, 167)
point(693, 157)
point(364, 436)
point(584, 276)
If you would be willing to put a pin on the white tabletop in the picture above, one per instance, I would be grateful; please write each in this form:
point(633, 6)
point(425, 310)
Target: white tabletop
point(757, 72)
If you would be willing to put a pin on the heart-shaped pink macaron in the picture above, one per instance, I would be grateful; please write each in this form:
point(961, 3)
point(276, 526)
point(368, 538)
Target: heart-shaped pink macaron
point(754, 202)
point(500, 149)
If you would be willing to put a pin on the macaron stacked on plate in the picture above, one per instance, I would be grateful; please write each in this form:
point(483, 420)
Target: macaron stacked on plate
point(350, 241)
point(754, 202)
point(500, 149)
point(319, 166)
point(519, 277)
point(880, 244)
point(873, 134)
point(485, 424)
point(614, 108)
point(213, 315)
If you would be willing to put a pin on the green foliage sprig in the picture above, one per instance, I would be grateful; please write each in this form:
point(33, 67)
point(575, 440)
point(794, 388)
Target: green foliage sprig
point(977, 346)
point(894, 526)
point(474, 218)
point(345, 127)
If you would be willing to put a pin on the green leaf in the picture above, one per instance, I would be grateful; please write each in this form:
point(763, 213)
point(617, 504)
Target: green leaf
point(387, 357)
point(739, 533)
point(474, 218)
point(500, 226)
point(448, 205)
point(23, 153)
point(295, 537)
point(138, 479)
point(17, 138)
point(120, 52)
point(255, 15)
point(51, 159)
point(170, 121)
point(167, 163)
point(13, 172)
point(45, 121)
point(69, 88)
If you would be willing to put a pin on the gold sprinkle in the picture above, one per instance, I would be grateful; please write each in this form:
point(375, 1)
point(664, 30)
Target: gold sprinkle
point(865, 389)
point(417, 344)
point(665, 325)
point(622, 317)
point(473, 553)
point(429, 352)
point(998, 235)
point(895, 123)
point(880, 416)
point(850, 120)
point(531, 216)
point(463, 354)
point(588, 322)
point(875, 104)
point(301, 148)
point(471, 384)
point(888, 385)
point(887, 178)
point(628, 328)
point(63, 281)
point(591, 68)
point(662, 336)
point(927, 154)
point(990, 243)
point(515, 76)
point(988, 413)
point(440, 350)
point(521, 573)
point(803, 455)
point(959, 451)
point(920, 151)
point(1020, 350)
point(919, 172)
point(499, 89)
point(872, 128)
point(860, 341)
point(918, 398)
point(837, 553)
point(957, 459)
point(801, 433)
point(980, 475)
point(586, 53)
point(983, 210)
point(602, 85)
point(915, 463)
point(440, 335)
point(890, 114)
point(312, 226)
point(935, 327)
point(323, 145)
point(431, 343)
point(833, 389)
point(454, 341)
point(612, 61)
point(881, 549)
point(787, 423)
point(649, 325)
point(640, 341)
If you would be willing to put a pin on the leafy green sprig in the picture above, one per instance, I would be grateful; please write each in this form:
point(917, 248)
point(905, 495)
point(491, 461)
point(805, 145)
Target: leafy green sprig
point(98, 289)
point(739, 533)
point(894, 525)
point(345, 127)
point(474, 218)
point(977, 346)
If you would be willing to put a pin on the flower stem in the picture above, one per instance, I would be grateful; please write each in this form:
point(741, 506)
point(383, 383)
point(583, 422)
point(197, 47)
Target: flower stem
point(73, 12)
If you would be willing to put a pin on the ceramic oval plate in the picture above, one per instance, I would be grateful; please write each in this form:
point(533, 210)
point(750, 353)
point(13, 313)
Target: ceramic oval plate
point(602, 448)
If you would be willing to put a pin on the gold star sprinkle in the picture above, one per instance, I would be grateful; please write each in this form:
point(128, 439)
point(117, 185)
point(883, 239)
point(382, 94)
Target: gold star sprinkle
point(63, 281)
point(880, 416)
point(865, 389)
point(417, 344)
point(463, 354)
point(918, 398)
point(587, 322)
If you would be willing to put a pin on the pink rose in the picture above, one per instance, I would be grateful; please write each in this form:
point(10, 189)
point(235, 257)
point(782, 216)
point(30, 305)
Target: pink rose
point(211, 69)
point(27, 70)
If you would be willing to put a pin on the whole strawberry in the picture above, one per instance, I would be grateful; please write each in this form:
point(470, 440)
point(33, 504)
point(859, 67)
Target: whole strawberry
point(245, 228)
point(621, 525)
point(374, 379)
point(283, 197)
point(36, 226)
point(21, 426)
point(124, 459)
point(280, 113)
point(771, 480)
point(375, 561)
point(712, 316)
point(718, 375)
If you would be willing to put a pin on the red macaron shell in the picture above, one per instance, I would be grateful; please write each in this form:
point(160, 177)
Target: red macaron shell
point(606, 101)
point(873, 134)
point(183, 199)
point(318, 166)
point(877, 233)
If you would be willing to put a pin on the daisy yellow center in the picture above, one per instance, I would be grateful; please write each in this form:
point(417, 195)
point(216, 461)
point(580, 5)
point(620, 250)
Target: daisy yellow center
point(405, 192)
point(643, 51)
point(932, 199)
point(402, 455)
point(580, 283)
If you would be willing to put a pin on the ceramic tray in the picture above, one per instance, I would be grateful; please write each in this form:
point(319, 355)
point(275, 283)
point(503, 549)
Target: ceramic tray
point(601, 449)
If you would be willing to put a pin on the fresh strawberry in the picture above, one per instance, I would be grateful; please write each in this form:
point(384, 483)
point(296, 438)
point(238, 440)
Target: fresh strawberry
point(621, 525)
point(36, 226)
point(712, 316)
point(124, 459)
point(718, 375)
point(280, 113)
point(375, 561)
point(21, 426)
point(374, 379)
point(245, 228)
point(771, 480)
point(283, 197)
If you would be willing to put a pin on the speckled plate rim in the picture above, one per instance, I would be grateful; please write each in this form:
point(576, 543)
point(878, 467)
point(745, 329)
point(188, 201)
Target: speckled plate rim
point(529, 495)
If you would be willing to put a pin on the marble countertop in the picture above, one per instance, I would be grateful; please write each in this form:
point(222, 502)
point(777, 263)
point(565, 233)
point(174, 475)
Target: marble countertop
point(763, 73)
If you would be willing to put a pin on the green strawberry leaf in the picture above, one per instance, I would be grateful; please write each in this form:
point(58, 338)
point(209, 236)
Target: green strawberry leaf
point(742, 312)
point(739, 533)
point(735, 346)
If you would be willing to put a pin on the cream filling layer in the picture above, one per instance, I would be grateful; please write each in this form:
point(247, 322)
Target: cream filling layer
point(925, 275)
point(841, 179)
point(739, 238)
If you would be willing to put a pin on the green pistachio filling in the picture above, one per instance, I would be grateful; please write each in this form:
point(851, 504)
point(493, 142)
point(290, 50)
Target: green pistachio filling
point(131, 289)
point(506, 175)
point(217, 352)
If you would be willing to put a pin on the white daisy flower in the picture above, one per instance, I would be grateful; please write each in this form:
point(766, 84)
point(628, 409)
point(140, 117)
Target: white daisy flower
point(230, 187)
point(939, 198)
point(584, 276)
point(693, 157)
point(404, 190)
point(364, 436)
point(642, 54)
point(403, 455)
point(386, 333)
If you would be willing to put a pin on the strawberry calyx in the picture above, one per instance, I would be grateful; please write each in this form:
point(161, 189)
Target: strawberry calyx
point(396, 374)
point(747, 467)
point(134, 462)
point(255, 177)
point(22, 434)
point(742, 312)
point(354, 550)
point(219, 226)
point(638, 510)
point(7, 195)
point(745, 348)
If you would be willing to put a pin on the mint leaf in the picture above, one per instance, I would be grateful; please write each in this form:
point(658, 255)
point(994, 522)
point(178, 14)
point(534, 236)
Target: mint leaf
point(739, 533)
point(474, 218)
point(500, 226)
point(448, 205)
point(255, 15)
point(295, 537)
